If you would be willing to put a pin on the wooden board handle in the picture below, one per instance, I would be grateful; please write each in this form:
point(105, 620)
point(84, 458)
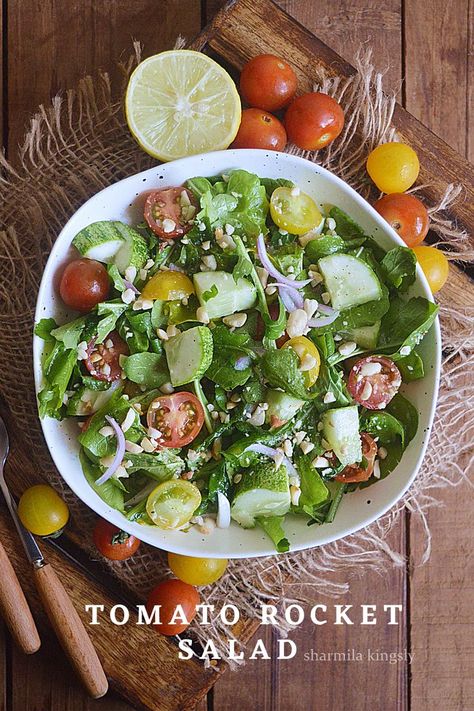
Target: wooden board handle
point(71, 631)
point(15, 609)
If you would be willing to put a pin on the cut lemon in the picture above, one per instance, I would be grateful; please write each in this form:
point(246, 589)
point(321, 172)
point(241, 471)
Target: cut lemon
point(180, 103)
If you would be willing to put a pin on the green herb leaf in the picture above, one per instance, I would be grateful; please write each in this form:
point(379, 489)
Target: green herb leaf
point(272, 525)
point(147, 369)
point(399, 267)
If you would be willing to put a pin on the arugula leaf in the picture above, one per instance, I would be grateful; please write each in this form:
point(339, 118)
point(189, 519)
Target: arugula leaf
point(108, 492)
point(406, 413)
point(229, 348)
point(215, 476)
point(384, 426)
point(399, 267)
point(116, 277)
point(211, 293)
point(281, 369)
point(345, 225)
point(324, 246)
point(252, 208)
point(58, 368)
point(199, 186)
point(288, 257)
point(161, 465)
point(44, 327)
point(362, 315)
point(410, 366)
point(279, 238)
point(406, 322)
point(147, 369)
point(70, 333)
point(271, 184)
point(111, 311)
point(272, 525)
point(314, 491)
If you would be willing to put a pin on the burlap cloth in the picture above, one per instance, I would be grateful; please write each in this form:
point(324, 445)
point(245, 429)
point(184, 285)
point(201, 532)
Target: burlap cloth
point(79, 145)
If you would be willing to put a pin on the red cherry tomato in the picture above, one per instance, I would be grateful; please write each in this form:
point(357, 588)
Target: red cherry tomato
point(112, 542)
point(260, 130)
point(314, 120)
point(268, 82)
point(407, 215)
point(373, 381)
point(354, 473)
point(103, 360)
point(84, 284)
point(168, 595)
point(179, 418)
point(170, 212)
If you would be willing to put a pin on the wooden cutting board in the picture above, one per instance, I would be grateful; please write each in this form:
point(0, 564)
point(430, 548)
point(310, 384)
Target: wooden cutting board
point(142, 666)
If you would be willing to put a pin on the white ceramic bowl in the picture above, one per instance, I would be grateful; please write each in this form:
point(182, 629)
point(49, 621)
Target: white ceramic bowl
point(122, 202)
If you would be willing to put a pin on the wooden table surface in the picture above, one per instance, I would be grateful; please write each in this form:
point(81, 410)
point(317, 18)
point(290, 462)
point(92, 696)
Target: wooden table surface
point(427, 49)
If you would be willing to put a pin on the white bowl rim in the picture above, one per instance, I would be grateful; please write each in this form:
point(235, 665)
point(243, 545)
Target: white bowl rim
point(143, 532)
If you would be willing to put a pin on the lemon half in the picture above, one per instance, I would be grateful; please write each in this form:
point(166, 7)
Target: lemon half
point(180, 103)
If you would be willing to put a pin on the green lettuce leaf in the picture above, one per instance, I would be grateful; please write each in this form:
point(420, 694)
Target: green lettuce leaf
point(272, 525)
point(399, 268)
point(229, 348)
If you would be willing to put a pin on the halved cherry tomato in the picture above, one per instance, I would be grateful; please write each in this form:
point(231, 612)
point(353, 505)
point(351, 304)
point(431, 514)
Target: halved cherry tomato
point(173, 503)
point(103, 360)
point(373, 381)
point(42, 511)
point(168, 595)
point(305, 349)
point(197, 571)
point(259, 129)
point(393, 167)
point(407, 215)
point(314, 120)
point(294, 211)
point(434, 264)
point(84, 284)
point(355, 473)
point(268, 82)
point(168, 286)
point(179, 418)
point(112, 542)
point(170, 212)
point(260, 326)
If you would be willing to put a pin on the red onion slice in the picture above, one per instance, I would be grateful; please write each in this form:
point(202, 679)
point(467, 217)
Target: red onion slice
point(268, 265)
point(242, 362)
point(328, 310)
point(290, 296)
point(323, 321)
point(119, 454)
point(223, 511)
point(129, 285)
point(272, 453)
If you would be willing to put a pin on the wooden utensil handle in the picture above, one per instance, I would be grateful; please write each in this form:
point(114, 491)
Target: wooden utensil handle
point(15, 609)
point(71, 631)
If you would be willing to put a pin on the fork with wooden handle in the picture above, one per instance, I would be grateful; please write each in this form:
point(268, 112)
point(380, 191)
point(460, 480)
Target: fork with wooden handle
point(61, 612)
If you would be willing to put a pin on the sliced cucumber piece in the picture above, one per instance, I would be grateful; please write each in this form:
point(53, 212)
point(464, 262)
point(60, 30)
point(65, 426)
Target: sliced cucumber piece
point(85, 402)
point(341, 430)
point(100, 241)
point(263, 491)
point(281, 405)
point(231, 296)
point(134, 249)
point(349, 281)
point(189, 355)
point(365, 336)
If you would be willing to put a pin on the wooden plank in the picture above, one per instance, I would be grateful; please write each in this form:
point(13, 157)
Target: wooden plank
point(4, 643)
point(240, 30)
point(470, 85)
point(132, 673)
point(52, 44)
point(441, 591)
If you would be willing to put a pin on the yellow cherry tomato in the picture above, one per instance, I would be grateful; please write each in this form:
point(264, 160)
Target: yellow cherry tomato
point(294, 211)
point(168, 286)
point(435, 266)
point(42, 511)
point(197, 571)
point(173, 503)
point(393, 167)
point(306, 350)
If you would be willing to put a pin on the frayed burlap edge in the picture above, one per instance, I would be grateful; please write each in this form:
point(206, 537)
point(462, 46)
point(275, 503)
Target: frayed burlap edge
point(79, 145)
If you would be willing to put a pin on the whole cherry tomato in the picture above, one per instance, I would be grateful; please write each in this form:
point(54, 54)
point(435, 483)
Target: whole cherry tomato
point(112, 542)
point(435, 266)
point(314, 120)
point(259, 129)
point(42, 511)
point(168, 595)
point(268, 82)
point(393, 167)
point(84, 284)
point(407, 215)
point(197, 571)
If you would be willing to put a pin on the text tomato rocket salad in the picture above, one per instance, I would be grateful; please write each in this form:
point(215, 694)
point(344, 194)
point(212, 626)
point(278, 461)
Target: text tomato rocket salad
point(239, 355)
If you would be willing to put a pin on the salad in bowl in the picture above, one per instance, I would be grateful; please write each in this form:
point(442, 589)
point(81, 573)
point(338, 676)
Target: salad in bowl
point(230, 354)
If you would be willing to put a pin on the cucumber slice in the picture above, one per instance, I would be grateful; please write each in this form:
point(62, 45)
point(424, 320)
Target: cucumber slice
point(231, 296)
point(134, 249)
point(263, 491)
point(365, 336)
point(189, 355)
point(281, 405)
point(341, 430)
point(349, 281)
point(85, 402)
point(100, 241)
